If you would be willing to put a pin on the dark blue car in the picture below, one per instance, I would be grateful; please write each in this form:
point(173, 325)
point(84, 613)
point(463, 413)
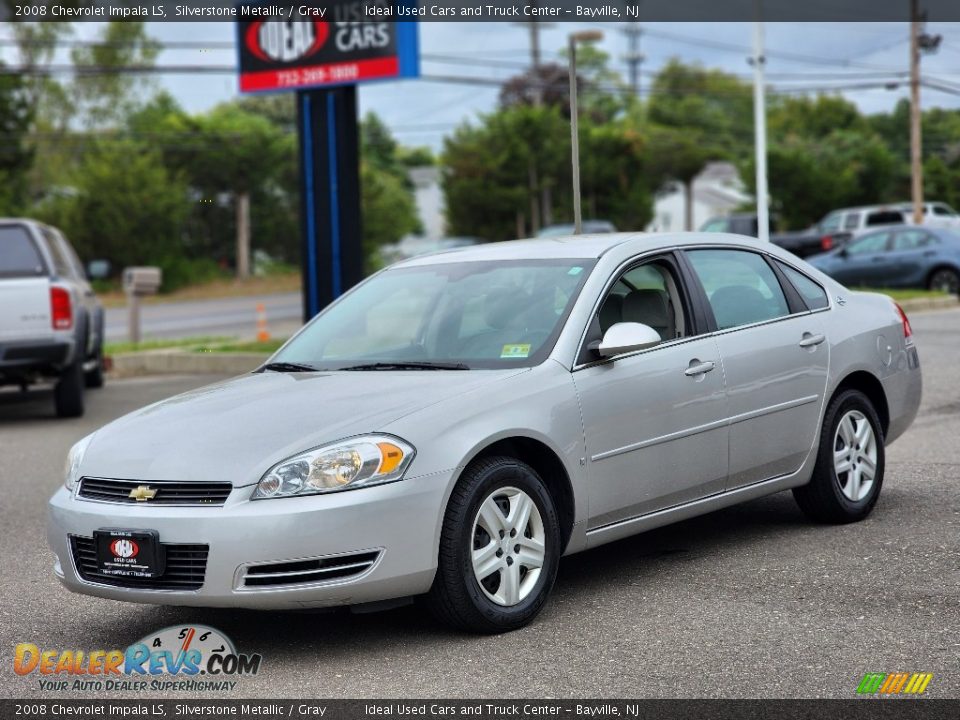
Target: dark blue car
point(896, 256)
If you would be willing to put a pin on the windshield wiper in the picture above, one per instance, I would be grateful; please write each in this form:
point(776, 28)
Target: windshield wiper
point(407, 366)
point(287, 367)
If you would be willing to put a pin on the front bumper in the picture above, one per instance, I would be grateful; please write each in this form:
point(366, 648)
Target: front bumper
point(400, 522)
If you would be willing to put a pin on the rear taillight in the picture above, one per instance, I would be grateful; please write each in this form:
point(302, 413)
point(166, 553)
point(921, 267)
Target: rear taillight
point(907, 330)
point(61, 310)
point(826, 242)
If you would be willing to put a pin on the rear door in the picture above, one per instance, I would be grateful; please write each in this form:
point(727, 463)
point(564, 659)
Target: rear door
point(775, 359)
point(911, 255)
point(24, 286)
point(862, 261)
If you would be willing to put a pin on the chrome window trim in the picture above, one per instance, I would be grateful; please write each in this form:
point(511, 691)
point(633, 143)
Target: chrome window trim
point(615, 275)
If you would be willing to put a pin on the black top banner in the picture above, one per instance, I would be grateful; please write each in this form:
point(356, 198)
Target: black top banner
point(493, 11)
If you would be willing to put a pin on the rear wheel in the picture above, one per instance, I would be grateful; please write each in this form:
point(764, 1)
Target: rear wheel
point(68, 392)
point(946, 280)
point(499, 548)
point(850, 462)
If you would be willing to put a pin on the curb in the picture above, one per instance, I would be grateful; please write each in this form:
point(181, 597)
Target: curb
point(936, 303)
point(184, 363)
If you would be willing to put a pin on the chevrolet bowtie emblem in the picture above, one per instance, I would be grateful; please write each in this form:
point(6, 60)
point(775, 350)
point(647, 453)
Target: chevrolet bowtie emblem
point(142, 493)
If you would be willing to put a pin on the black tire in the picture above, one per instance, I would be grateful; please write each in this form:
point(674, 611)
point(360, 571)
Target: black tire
point(823, 499)
point(945, 279)
point(94, 378)
point(457, 597)
point(68, 392)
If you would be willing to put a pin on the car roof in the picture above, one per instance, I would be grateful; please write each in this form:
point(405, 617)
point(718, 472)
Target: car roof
point(578, 246)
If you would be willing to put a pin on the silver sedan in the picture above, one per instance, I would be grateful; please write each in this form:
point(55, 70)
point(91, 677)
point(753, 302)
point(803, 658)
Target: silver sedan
point(456, 423)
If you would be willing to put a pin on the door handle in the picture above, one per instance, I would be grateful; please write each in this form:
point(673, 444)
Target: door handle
point(700, 368)
point(929, 253)
point(811, 340)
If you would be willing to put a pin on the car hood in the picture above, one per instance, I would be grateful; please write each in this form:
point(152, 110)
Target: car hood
point(237, 429)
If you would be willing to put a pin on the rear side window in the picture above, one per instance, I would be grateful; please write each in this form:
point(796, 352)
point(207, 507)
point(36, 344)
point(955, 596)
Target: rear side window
point(943, 211)
point(912, 239)
point(813, 295)
point(852, 221)
point(19, 256)
point(884, 217)
point(741, 288)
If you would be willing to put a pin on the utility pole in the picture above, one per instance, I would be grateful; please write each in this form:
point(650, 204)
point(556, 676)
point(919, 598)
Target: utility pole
point(533, 176)
point(760, 128)
point(920, 42)
point(634, 58)
point(916, 145)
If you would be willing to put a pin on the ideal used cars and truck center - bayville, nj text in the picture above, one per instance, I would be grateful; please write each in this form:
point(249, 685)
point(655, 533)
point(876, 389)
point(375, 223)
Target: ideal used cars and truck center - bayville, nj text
point(354, 12)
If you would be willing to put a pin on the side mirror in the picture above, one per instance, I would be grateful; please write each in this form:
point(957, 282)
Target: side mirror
point(98, 269)
point(843, 252)
point(625, 337)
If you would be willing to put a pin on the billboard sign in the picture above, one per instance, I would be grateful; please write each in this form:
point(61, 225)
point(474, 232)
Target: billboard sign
point(321, 44)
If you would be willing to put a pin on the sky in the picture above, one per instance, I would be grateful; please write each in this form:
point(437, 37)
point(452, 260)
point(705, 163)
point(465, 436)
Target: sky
point(421, 112)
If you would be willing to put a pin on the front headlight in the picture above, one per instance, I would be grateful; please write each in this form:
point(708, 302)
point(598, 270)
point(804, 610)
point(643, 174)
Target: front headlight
point(71, 469)
point(348, 464)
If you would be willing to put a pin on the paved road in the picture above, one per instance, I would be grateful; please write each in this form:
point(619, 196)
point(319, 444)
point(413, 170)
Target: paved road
point(223, 316)
point(751, 601)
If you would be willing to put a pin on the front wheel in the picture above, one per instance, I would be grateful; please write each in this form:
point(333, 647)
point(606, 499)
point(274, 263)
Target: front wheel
point(850, 461)
point(499, 548)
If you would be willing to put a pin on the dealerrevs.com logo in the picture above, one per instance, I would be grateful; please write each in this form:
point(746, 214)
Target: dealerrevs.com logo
point(192, 658)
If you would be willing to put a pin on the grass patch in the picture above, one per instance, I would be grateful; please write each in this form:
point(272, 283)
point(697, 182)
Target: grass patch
point(196, 342)
point(255, 346)
point(906, 294)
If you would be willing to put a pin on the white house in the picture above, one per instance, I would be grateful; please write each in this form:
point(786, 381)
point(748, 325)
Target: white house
point(717, 190)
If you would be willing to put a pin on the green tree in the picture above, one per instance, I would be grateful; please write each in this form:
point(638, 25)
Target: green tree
point(679, 154)
point(715, 104)
point(15, 156)
point(811, 176)
point(388, 209)
point(104, 99)
point(124, 206)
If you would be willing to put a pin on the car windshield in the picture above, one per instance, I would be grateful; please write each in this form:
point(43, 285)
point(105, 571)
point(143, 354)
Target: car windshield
point(464, 315)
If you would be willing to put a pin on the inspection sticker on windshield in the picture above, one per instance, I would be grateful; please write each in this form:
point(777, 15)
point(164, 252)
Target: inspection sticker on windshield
point(515, 351)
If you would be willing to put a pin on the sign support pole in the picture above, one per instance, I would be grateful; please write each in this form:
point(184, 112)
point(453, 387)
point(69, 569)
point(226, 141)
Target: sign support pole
point(332, 251)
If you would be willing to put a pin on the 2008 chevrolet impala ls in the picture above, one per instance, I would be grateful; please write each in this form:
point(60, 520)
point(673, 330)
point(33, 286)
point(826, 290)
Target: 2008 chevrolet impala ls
point(454, 424)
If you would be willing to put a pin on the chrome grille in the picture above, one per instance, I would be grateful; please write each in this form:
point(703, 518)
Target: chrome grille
point(297, 572)
point(185, 567)
point(167, 493)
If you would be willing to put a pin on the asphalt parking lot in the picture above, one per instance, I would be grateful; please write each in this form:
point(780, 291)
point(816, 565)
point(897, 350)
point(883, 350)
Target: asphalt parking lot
point(752, 601)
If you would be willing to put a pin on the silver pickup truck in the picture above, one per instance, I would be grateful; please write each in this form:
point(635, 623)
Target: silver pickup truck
point(51, 324)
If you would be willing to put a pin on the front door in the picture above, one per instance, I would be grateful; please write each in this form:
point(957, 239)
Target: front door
point(654, 420)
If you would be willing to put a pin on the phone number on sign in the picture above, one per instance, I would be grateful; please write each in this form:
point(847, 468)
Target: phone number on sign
point(312, 76)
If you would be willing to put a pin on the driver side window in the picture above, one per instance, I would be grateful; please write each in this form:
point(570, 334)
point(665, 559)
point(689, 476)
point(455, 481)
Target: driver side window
point(647, 294)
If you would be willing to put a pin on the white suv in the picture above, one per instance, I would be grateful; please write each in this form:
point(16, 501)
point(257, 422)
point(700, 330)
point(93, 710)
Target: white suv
point(51, 324)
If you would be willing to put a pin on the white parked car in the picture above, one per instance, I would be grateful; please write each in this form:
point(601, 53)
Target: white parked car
point(51, 324)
